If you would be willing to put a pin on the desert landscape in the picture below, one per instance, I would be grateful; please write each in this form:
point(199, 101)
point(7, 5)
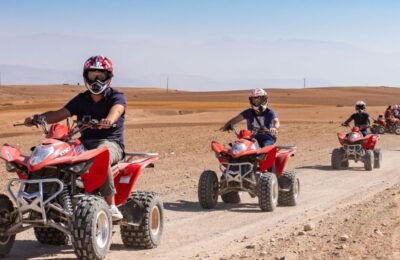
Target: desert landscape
point(348, 214)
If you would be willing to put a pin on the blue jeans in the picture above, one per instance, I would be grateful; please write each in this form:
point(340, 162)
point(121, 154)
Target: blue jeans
point(266, 141)
point(364, 132)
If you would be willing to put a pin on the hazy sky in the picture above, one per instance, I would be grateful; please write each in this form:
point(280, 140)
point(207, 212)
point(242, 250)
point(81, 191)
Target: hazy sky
point(207, 44)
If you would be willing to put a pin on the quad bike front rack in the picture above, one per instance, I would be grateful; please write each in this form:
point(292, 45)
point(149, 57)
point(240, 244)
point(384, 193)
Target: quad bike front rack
point(28, 202)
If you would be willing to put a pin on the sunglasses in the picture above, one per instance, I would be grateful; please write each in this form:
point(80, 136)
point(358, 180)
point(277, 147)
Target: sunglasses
point(93, 75)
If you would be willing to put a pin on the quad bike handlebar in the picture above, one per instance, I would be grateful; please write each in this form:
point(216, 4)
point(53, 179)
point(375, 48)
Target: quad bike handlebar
point(78, 126)
point(261, 130)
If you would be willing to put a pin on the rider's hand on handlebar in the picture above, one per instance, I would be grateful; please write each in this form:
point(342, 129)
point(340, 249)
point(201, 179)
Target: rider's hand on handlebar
point(273, 130)
point(344, 124)
point(105, 124)
point(29, 121)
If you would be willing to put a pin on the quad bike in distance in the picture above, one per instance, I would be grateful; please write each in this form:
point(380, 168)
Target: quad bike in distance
point(356, 147)
point(246, 167)
point(56, 194)
point(381, 126)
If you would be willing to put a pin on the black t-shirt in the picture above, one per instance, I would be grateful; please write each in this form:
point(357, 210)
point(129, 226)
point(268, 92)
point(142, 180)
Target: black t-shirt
point(360, 119)
point(83, 105)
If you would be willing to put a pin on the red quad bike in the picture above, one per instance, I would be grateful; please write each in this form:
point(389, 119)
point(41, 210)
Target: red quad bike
point(57, 194)
point(356, 147)
point(380, 126)
point(247, 167)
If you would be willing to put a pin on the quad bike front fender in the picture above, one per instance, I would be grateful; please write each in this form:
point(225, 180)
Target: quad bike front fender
point(97, 174)
point(11, 154)
point(268, 162)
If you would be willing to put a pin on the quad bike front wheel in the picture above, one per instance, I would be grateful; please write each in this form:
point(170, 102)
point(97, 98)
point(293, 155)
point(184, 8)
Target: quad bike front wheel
point(148, 233)
point(268, 191)
point(6, 220)
point(377, 158)
point(208, 189)
point(397, 130)
point(289, 197)
point(50, 236)
point(368, 160)
point(337, 159)
point(91, 228)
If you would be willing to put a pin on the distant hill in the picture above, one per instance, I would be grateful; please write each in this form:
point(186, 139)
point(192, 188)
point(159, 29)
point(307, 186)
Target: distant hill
point(153, 97)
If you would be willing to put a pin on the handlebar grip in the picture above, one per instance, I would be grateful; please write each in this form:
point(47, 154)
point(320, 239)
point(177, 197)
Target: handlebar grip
point(18, 124)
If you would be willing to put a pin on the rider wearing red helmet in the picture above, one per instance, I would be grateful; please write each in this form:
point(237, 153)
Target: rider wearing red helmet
point(260, 118)
point(105, 104)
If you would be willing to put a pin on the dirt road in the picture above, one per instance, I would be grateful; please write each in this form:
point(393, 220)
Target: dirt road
point(182, 134)
point(191, 232)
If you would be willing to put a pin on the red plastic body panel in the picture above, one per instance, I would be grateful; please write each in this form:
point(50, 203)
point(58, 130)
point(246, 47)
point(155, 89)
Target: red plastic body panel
point(126, 176)
point(281, 160)
point(368, 142)
point(275, 157)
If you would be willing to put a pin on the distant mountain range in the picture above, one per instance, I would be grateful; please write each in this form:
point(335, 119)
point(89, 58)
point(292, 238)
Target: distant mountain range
point(215, 64)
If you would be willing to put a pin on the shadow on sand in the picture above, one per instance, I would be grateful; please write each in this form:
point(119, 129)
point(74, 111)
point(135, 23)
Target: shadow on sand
point(329, 168)
point(24, 249)
point(194, 206)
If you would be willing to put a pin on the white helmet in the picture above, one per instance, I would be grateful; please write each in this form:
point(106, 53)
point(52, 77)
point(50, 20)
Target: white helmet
point(258, 99)
point(360, 105)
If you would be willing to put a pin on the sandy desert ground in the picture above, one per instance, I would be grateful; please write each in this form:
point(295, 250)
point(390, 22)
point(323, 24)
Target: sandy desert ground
point(354, 214)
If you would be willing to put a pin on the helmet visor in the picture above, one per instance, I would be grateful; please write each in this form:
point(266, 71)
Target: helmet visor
point(93, 75)
point(360, 107)
point(258, 101)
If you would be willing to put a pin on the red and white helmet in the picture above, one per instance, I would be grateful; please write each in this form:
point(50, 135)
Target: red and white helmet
point(97, 73)
point(258, 99)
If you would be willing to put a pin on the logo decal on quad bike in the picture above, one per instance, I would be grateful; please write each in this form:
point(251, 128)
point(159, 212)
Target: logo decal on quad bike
point(64, 152)
point(9, 156)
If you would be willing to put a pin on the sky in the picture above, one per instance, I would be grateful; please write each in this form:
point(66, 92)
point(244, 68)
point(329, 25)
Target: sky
point(203, 45)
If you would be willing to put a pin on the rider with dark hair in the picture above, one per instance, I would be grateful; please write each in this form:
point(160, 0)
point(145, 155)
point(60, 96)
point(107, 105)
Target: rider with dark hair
point(361, 118)
point(260, 118)
point(105, 104)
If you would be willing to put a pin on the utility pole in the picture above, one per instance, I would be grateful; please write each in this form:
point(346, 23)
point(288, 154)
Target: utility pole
point(167, 84)
point(304, 83)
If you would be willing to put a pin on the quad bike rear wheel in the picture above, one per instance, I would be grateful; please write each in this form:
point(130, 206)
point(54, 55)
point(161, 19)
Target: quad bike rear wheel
point(368, 160)
point(6, 221)
point(91, 228)
point(208, 189)
point(268, 191)
point(50, 236)
point(337, 159)
point(148, 233)
point(381, 130)
point(397, 130)
point(289, 198)
point(377, 158)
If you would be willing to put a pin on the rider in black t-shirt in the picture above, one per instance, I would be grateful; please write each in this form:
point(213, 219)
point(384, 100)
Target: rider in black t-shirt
point(361, 118)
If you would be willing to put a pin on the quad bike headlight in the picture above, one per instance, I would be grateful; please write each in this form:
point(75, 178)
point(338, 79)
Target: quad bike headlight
point(40, 153)
point(238, 148)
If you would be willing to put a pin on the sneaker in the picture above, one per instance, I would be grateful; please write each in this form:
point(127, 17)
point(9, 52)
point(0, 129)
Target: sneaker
point(115, 213)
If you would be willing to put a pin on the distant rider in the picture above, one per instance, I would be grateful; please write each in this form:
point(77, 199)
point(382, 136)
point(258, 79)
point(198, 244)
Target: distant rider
point(260, 118)
point(105, 104)
point(361, 118)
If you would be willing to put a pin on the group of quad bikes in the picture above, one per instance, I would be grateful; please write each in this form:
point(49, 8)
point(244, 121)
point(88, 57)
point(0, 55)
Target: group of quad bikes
point(56, 192)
